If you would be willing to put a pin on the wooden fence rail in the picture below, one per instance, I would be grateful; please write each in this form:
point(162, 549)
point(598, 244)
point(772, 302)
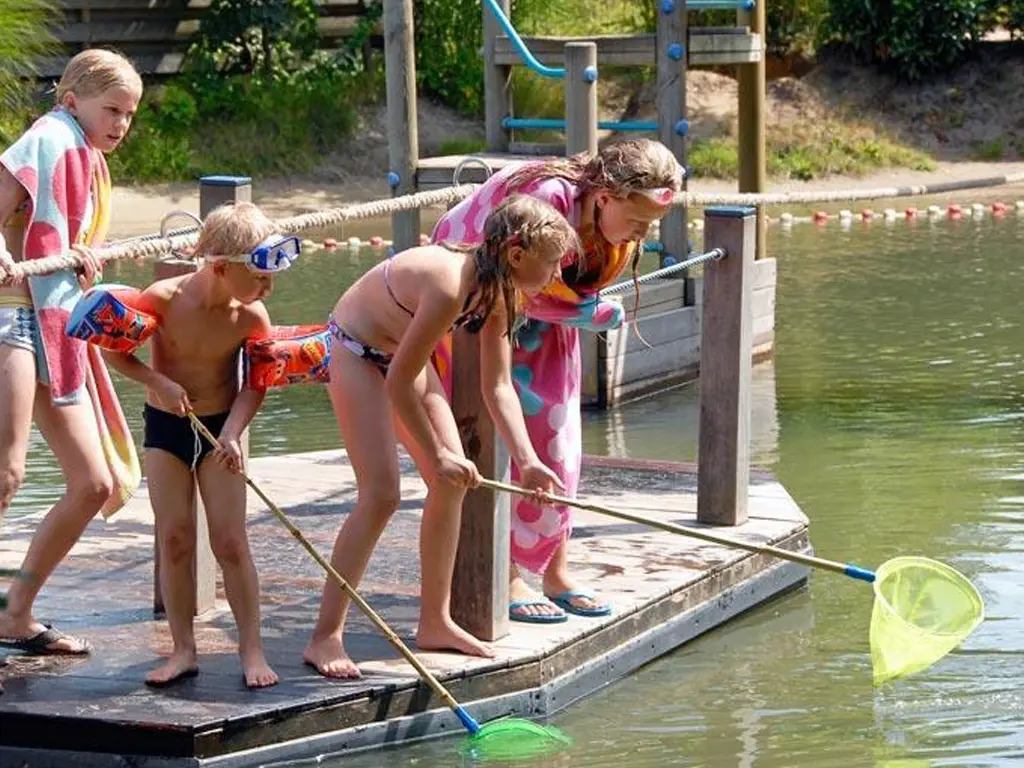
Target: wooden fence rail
point(155, 33)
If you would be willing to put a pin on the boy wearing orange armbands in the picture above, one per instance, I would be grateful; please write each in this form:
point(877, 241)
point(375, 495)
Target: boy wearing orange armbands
point(205, 319)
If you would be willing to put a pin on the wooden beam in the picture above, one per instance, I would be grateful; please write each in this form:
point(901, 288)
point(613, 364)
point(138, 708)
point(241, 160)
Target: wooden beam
point(480, 583)
point(671, 48)
point(725, 368)
point(580, 97)
point(497, 101)
point(750, 80)
point(403, 139)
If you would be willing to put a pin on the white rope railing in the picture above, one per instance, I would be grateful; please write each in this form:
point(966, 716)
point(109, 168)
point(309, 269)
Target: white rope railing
point(155, 245)
point(137, 248)
point(828, 196)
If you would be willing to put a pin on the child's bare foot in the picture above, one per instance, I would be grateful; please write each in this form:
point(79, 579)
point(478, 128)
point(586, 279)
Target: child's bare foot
point(258, 673)
point(327, 656)
point(180, 666)
point(449, 636)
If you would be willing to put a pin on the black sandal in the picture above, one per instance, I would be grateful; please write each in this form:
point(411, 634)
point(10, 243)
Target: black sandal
point(39, 645)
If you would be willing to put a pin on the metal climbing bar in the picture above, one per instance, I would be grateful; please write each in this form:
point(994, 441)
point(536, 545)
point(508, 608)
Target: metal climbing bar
point(713, 5)
point(555, 123)
point(713, 255)
point(524, 53)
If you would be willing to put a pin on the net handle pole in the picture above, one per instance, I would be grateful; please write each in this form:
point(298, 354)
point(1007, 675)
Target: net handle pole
point(797, 557)
point(464, 717)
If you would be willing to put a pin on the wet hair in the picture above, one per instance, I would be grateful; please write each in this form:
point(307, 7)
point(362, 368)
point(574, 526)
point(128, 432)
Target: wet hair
point(96, 70)
point(623, 168)
point(232, 229)
point(524, 221)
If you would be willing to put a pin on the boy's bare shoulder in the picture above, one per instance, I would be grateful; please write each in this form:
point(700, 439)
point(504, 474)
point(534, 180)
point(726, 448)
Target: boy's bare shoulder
point(158, 296)
point(254, 319)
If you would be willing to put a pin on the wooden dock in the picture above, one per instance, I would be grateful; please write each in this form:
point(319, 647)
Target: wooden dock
point(666, 590)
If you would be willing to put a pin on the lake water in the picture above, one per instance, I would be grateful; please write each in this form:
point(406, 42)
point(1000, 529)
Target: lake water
point(893, 412)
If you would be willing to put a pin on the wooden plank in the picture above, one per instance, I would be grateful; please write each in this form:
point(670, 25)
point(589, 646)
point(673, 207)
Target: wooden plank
point(655, 297)
point(146, 63)
point(658, 330)
point(324, 7)
point(534, 148)
point(138, 31)
point(580, 98)
point(145, 29)
point(725, 363)
point(435, 172)
point(766, 273)
point(707, 46)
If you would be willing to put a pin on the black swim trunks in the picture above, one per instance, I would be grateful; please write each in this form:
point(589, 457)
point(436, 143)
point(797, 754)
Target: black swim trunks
point(176, 435)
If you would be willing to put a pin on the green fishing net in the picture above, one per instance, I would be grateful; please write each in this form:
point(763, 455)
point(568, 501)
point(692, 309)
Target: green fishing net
point(512, 739)
point(923, 610)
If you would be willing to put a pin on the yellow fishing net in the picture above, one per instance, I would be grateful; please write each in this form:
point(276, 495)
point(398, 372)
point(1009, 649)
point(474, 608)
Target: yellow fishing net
point(923, 609)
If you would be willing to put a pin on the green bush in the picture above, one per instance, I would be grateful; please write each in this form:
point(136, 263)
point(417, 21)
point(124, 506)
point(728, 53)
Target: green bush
point(253, 125)
point(242, 36)
point(794, 25)
point(913, 38)
point(449, 62)
point(24, 36)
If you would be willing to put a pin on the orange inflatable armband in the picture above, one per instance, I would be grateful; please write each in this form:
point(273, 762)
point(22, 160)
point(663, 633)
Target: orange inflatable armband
point(106, 316)
point(292, 354)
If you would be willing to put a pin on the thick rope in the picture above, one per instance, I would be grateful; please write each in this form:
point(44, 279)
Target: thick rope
point(148, 245)
point(821, 196)
point(154, 245)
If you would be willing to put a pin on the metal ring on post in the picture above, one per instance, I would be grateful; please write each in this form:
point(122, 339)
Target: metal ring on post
point(163, 233)
point(469, 161)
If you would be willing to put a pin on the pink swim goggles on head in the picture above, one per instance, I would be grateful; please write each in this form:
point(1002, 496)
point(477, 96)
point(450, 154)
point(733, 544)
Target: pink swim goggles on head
point(659, 195)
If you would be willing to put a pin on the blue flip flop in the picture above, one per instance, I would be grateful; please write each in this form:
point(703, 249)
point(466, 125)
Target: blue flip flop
point(534, 618)
point(564, 601)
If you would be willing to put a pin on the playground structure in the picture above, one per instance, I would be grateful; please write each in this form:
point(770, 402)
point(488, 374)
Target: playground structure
point(617, 366)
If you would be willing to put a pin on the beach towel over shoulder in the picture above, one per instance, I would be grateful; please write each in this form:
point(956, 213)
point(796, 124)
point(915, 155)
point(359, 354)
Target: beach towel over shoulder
point(68, 188)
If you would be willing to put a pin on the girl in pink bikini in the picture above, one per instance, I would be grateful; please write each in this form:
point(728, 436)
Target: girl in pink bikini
point(610, 198)
point(384, 388)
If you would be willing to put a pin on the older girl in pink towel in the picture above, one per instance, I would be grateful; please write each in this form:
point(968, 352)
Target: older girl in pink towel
point(55, 195)
point(611, 198)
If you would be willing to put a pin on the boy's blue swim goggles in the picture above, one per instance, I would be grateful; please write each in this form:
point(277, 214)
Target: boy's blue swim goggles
point(275, 254)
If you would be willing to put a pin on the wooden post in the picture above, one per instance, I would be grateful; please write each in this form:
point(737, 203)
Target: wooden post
point(580, 97)
point(403, 140)
point(671, 57)
point(750, 92)
point(725, 368)
point(496, 83)
point(213, 192)
point(480, 584)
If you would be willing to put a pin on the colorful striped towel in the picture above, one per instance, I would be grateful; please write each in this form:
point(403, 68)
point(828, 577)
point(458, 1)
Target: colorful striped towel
point(68, 188)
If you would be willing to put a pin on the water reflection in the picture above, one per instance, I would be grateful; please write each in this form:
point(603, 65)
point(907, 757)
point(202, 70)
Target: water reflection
point(893, 414)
